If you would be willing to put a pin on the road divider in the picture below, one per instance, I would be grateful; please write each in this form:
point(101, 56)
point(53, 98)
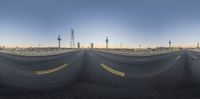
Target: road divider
point(51, 70)
point(118, 73)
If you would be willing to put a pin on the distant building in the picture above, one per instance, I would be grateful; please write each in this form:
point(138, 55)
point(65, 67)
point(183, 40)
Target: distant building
point(2, 47)
point(92, 45)
point(167, 48)
point(78, 45)
point(162, 48)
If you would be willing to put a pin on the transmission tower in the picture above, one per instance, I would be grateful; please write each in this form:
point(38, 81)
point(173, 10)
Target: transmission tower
point(59, 40)
point(107, 42)
point(72, 42)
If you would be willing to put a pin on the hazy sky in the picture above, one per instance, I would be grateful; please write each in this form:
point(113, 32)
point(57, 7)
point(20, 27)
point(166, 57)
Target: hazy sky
point(150, 23)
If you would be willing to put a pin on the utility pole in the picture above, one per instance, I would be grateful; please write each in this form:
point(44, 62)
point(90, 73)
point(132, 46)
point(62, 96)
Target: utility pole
point(72, 42)
point(170, 44)
point(198, 45)
point(59, 40)
point(107, 42)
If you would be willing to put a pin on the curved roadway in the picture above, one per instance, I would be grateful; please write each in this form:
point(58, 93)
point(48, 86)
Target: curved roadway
point(93, 74)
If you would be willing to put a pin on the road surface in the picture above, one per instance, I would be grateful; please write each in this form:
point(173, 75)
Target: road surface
point(91, 74)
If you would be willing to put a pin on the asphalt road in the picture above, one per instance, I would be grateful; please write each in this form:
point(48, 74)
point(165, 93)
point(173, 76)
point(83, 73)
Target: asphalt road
point(91, 74)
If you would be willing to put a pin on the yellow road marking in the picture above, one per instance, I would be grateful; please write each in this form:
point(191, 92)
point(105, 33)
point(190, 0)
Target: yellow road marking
point(178, 57)
point(112, 70)
point(51, 70)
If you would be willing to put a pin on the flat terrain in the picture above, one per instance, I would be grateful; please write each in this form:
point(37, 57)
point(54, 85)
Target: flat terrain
point(93, 74)
point(36, 52)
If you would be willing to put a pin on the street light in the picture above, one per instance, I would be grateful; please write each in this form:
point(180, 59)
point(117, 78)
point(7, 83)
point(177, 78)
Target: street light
point(107, 42)
point(59, 40)
point(170, 44)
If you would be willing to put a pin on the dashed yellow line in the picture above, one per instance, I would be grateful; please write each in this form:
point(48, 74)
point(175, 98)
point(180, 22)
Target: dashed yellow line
point(51, 70)
point(112, 70)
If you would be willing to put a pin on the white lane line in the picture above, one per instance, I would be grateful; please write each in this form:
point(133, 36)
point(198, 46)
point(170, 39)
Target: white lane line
point(90, 53)
point(143, 60)
point(194, 57)
point(178, 57)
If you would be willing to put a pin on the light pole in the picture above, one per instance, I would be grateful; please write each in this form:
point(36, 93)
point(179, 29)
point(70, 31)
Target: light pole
point(107, 42)
point(59, 40)
point(170, 44)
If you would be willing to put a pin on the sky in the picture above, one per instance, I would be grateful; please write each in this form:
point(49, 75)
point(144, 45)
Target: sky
point(149, 23)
